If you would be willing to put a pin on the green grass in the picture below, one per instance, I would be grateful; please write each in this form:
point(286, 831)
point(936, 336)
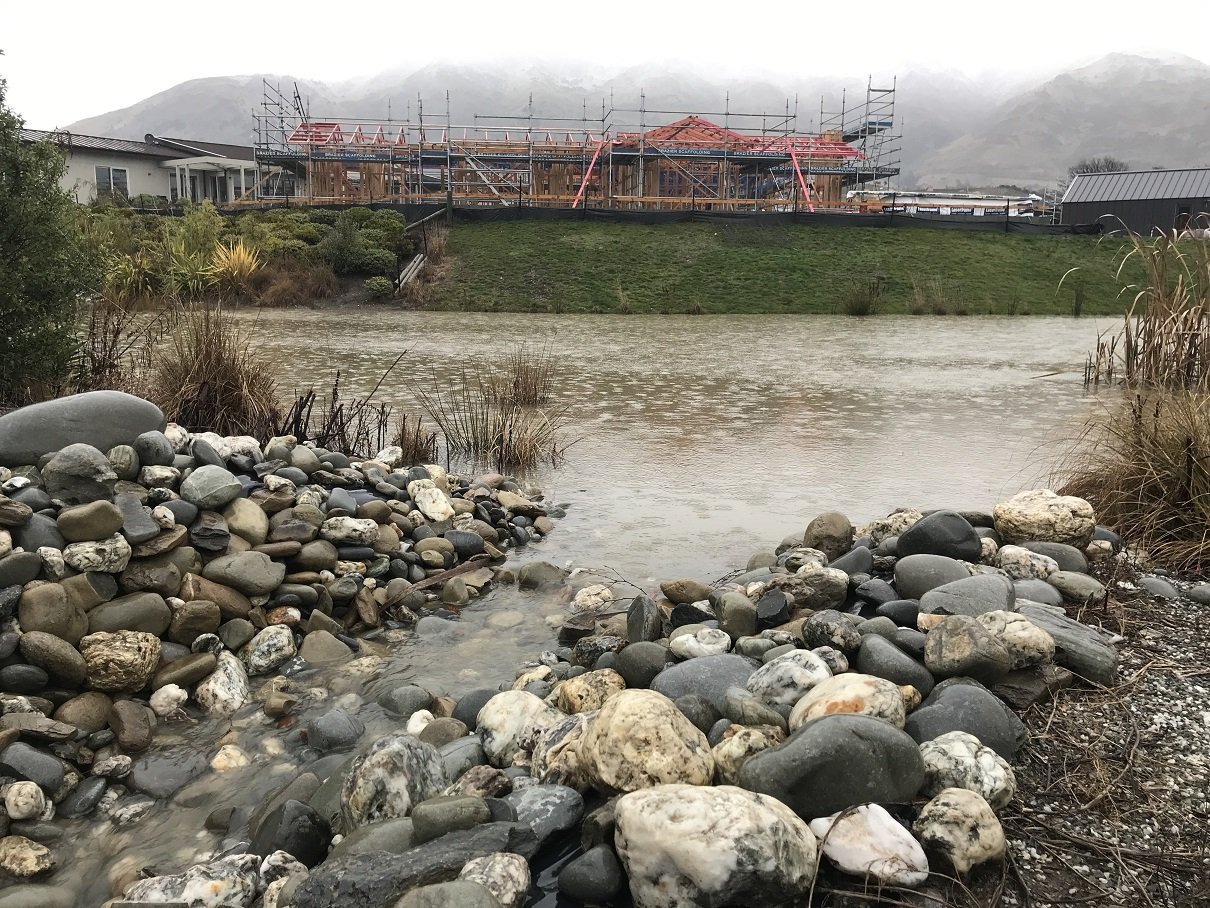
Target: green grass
point(571, 266)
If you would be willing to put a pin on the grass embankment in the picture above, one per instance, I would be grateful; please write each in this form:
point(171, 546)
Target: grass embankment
point(568, 266)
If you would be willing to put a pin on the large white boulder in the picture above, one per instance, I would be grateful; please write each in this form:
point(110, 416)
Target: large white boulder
point(1040, 515)
point(868, 841)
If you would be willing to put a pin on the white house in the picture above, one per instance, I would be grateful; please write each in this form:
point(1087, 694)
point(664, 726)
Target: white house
point(165, 168)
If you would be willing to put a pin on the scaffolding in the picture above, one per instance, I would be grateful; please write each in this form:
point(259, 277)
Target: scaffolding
point(627, 158)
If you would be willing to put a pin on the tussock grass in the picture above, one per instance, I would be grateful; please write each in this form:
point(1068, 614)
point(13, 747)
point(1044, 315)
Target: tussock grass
point(1144, 461)
point(1144, 464)
point(207, 375)
point(862, 300)
point(524, 378)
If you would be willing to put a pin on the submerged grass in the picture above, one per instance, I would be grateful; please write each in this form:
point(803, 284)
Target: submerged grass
point(572, 266)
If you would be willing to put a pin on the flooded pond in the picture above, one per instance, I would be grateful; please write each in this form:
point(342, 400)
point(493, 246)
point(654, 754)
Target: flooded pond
point(700, 441)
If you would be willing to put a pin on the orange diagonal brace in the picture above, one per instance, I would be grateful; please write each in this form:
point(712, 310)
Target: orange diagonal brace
point(801, 182)
point(588, 173)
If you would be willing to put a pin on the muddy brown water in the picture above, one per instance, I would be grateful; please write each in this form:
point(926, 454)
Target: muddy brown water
point(700, 441)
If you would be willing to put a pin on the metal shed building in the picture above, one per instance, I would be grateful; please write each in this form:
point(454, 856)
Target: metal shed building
point(1140, 200)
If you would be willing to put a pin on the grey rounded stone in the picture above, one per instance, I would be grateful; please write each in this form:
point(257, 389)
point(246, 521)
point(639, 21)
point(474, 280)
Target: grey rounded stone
point(707, 676)
point(79, 474)
point(55, 655)
point(210, 488)
point(835, 762)
point(334, 731)
point(469, 704)
point(971, 596)
point(454, 894)
point(19, 568)
point(145, 611)
point(547, 809)
point(915, 575)
point(154, 449)
point(961, 704)
point(595, 877)
point(406, 699)
point(940, 533)
point(89, 522)
point(252, 573)
point(102, 419)
point(1037, 591)
point(46, 608)
point(883, 659)
point(437, 816)
point(639, 663)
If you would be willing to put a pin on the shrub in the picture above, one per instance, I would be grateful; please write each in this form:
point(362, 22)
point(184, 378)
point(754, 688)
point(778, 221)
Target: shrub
point(379, 287)
point(186, 275)
point(233, 266)
point(283, 282)
point(862, 299)
point(46, 265)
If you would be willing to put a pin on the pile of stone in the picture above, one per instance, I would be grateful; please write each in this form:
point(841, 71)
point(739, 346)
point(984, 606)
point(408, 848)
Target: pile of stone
point(144, 569)
point(844, 706)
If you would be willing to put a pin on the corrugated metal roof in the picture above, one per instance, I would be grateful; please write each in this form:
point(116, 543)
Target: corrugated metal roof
point(193, 146)
point(97, 143)
point(1132, 185)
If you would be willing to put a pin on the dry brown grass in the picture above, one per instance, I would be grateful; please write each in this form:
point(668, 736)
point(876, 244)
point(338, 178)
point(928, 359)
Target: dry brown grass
point(524, 377)
point(283, 283)
point(207, 375)
point(1144, 463)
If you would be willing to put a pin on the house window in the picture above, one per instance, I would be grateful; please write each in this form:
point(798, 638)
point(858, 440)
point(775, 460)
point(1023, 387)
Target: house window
point(112, 181)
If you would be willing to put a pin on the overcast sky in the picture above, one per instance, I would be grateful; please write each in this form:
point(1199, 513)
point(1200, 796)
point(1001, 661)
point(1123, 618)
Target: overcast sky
point(69, 59)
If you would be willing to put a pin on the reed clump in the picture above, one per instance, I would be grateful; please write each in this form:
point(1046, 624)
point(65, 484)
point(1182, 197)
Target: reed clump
point(1143, 460)
point(207, 375)
point(484, 422)
point(524, 378)
point(863, 299)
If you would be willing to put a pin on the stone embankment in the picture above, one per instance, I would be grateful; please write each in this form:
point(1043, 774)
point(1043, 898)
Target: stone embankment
point(843, 706)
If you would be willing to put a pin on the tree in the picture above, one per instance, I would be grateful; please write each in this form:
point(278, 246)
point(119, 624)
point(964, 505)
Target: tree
point(1102, 164)
point(46, 267)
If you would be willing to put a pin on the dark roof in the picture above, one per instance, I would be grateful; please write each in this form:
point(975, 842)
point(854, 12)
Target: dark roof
point(96, 143)
point(194, 148)
point(1131, 185)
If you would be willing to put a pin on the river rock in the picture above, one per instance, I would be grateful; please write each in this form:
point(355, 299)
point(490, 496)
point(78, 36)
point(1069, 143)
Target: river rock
point(146, 612)
point(643, 621)
point(639, 663)
point(832, 629)
point(1022, 564)
point(154, 449)
point(684, 591)
point(105, 556)
point(957, 759)
point(102, 419)
point(706, 642)
point(783, 681)
point(1076, 588)
point(24, 858)
point(334, 730)
point(270, 648)
point(210, 488)
point(230, 881)
point(863, 695)
point(509, 724)
point(831, 533)
point(322, 648)
point(54, 655)
point(960, 645)
point(226, 689)
point(454, 894)
point(960, 826)
point(505, 876)
point(586, 692)
point(295, 828)
point(836, 762)
point(1038, 591)
point(683, 845)
point(961, 704)
point(24, 801)
point(1039, 515)
point(1027, 644)
point(970, 596)
point(546, 809)
point(377, 879)
point(594, 878)
point(251, 573)
point(894, 524)
point(120, 662)
point(432, 502)
point(79, 474)
point(640, 739)
point(738, 744)
point(1067, 557)
point(883, 659)
point(397, 772)
point(246, 519)
point(1083, 649)
point(814, 587)
point(940, 533)
point(89, 522)
point(46, 609)
point(19, 568)
point(132, 725)
point(866, 841)
point(166, 699)
point(707, 676)
point(915, 575)
point(191, 619)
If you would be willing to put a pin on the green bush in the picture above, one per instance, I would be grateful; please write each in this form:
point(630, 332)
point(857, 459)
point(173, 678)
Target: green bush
point(379, 287)
point(324, 216)
point(357, 216)
point(46, 264)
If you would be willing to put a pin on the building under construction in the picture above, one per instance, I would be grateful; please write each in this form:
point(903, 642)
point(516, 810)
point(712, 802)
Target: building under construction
point(640, 158)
